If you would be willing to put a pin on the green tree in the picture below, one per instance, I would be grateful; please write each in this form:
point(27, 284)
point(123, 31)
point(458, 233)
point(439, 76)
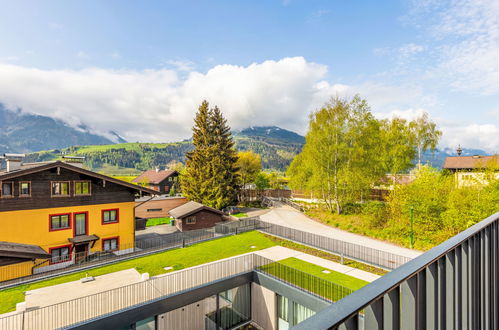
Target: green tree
point(197, 180)
point(340, 159)
point(210, 175)
point(426, 135)
point(261, 181)
point(398, 145)
point(249, 165)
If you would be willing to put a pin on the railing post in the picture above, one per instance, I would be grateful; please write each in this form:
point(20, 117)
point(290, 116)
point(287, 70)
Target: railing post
point(183, 242)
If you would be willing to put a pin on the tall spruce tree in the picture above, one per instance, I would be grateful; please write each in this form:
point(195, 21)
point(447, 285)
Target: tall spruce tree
point(211, 174)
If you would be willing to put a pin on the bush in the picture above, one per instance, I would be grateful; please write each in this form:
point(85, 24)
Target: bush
point(376, 213)
point(352, 208)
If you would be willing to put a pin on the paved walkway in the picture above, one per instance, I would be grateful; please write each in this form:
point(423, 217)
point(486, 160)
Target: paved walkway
point(277, 253)
point(287, 216)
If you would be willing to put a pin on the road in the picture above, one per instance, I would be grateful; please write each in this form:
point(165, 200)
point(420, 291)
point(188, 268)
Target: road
point(287, 216)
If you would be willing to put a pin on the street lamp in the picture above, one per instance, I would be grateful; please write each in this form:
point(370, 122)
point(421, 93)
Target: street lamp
point(411, 234)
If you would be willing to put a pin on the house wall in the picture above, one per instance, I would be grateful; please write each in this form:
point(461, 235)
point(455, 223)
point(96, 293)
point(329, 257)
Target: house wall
point(165, 205)
point(467, 179)
point(32, 226)
point(16, 270)
point(263, 307)
point(204, 219)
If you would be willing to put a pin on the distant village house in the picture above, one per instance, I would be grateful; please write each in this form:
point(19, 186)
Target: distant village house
point(193, 215)
point(160, 180)
point(471, 170)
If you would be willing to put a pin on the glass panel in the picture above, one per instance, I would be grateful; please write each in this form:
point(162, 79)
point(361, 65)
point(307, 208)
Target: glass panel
point(64, 221)
point(7, 189)
point(147, 324)
point(301, 313)
point(282, 313)
point(25, 188)
point(80, 224)
point(114, 244)
point(55, 222)
point(64, 188)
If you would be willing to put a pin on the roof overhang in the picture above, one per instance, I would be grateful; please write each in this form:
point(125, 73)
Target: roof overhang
point(56, 164)
point(83, 239)
point(26, 251)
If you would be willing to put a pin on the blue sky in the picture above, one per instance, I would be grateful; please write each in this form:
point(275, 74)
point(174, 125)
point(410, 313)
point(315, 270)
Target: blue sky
point(263, 62)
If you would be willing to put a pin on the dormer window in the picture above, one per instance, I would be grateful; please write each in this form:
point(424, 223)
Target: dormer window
point(7, 189)
point(60, 188)
point(82, 188)
point(25, 189)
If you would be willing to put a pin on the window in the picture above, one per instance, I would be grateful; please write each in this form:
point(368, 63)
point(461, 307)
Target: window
point(25, 189)
point(7, 189)
point(82, 188)
point(110, 244)
point(81, 223)
point(301, 313)
point(60, 188)
point(154, 210)
point(110, 216)
point(282, 313)
point(190, 220)
point(60, 254)
point(170, 179)
point(60, 221)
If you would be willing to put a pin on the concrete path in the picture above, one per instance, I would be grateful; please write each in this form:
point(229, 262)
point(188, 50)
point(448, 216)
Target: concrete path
point(55, 294)
point(277, 253)
point(287, 216)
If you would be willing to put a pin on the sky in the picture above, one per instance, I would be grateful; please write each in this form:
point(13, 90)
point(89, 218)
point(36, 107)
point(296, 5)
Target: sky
point(141, 68)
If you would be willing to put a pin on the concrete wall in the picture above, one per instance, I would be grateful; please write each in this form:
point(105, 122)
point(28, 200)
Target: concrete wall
point(164, 204)
point(190, 317)
point(263, 307)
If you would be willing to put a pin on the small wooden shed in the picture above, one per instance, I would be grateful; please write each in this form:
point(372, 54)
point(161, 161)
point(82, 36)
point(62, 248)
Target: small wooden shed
point(193, 215)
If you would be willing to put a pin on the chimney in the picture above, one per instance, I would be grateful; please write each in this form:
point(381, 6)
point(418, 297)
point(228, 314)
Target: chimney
point(75, 161)
point(13, 161)
point(459, 150)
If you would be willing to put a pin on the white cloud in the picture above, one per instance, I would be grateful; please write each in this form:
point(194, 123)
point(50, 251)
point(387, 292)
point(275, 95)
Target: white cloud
point(156, 105)
point(82, 55)
point(181, 65)
point(410, 49)
point(472, 136)
point(465, 37)
point(159, 105)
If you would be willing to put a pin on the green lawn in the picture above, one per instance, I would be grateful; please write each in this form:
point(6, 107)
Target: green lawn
point(153, 264)
point(240, 215)
point(305, 275)
point(157, 221)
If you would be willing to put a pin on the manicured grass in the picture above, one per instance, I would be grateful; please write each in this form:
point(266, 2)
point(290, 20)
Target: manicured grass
point(240, 215)
point(336, 277)
point(326, 255)
point(153, 264)
point(157, 221)
point(308, 276)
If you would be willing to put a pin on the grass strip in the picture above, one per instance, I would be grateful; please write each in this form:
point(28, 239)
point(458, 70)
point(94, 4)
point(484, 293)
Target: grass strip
point(181, 258)
point(157, 221)
point(325, 255)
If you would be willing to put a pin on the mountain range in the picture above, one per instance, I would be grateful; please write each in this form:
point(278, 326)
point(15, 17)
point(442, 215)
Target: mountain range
point(22, 133)
point(45, 138)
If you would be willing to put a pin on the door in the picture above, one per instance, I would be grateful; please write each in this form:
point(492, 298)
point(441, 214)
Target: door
point(81, 251)
point(80, 224)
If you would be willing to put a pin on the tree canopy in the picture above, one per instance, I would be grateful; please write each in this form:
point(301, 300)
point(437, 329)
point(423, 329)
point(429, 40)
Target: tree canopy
point(210, 175)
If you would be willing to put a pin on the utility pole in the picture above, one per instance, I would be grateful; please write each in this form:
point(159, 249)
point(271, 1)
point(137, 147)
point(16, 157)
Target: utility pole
point(411, 234)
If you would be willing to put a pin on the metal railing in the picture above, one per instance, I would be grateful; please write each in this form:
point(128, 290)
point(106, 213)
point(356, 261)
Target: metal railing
point(349, 250)
point(20, 273)
point(453, 286)
point(312, 284)
point(86, 308)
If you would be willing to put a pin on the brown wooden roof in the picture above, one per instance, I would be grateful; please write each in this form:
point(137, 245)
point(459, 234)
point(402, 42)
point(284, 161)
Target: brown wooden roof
point(34, 168)
point(154, 177)
point(470, 162)
point(191, 207)
point(18, 250)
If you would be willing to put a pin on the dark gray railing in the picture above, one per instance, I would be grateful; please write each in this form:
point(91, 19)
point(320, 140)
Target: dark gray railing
point(453, 286)
point(349, 250)
point(16, 274)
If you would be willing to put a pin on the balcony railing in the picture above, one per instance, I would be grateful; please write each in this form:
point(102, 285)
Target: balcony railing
point(453, 286)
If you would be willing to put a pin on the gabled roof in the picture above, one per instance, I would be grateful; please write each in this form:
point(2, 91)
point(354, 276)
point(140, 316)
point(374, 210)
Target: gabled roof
point(39, 167)
point(191, 207)
point(154, 177)
point(469, 162)
point(18, 250)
